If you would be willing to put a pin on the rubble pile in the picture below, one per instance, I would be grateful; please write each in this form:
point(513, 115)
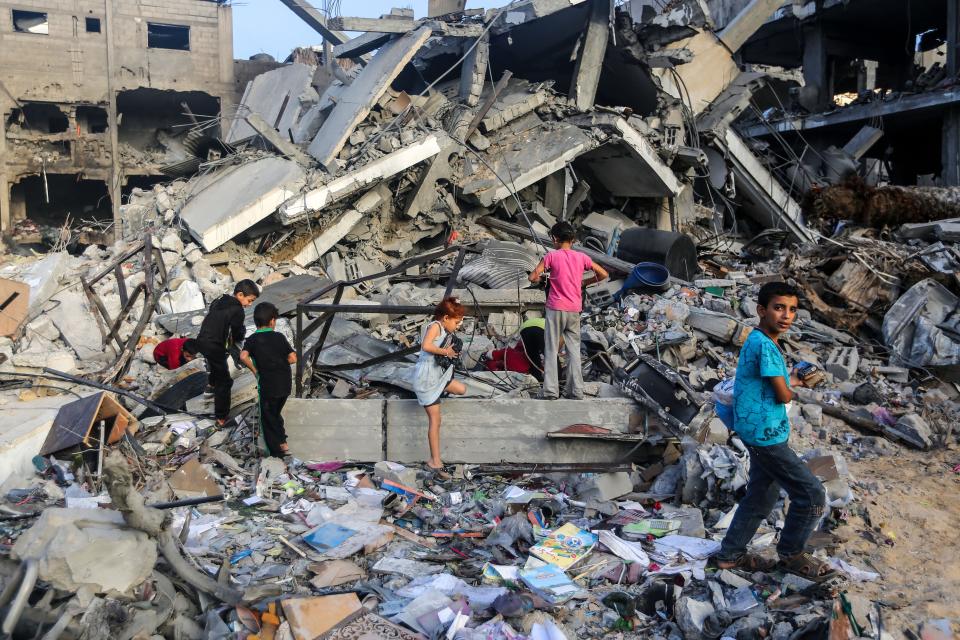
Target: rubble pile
point(358, 186)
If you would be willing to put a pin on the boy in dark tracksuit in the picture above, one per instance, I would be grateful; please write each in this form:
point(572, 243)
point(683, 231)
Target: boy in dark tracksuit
point(222, 329)
point(269, 355)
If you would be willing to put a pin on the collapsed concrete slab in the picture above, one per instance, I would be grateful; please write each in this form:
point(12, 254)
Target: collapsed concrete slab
point(280, 97)
point(356, 101)
point(629, 165)
point(230, 202)
point(23, 428)
point(527, 158)
point(389, 165)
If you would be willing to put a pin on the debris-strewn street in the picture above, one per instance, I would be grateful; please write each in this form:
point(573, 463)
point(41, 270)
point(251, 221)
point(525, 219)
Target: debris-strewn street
point(299, 222)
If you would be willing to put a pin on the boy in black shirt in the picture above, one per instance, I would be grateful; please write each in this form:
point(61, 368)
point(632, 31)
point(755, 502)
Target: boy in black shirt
point(269, 355)
point(221, 330)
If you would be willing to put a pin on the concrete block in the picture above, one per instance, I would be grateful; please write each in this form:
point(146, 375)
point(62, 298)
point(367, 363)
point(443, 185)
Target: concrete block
point(70, 545)
point(75, 320)
point(605, 486)
point(843, 362)
point(395, 472)
point(511, 430)
point(913, 430)
point(813, 413)
point(335, 429)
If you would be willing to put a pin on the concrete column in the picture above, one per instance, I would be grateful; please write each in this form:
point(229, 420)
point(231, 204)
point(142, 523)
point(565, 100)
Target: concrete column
point(554, 193)
point(586, 74)
point(816, 63)
point(225, 34)
point(116, 172)
point(4, 182)
point(950, 144)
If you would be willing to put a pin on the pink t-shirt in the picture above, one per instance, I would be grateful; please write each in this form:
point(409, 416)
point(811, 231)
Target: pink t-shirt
point(566, 268)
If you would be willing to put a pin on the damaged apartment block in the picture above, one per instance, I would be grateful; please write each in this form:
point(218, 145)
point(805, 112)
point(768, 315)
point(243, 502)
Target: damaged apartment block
point(700, 150)
point(103, 98)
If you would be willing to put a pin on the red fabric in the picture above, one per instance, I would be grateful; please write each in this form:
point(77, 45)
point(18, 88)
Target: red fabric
point(516, 360)
point(172, 350)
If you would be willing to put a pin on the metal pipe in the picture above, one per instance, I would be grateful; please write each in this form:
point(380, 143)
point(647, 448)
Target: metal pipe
point(30, 574)
point(188, 502)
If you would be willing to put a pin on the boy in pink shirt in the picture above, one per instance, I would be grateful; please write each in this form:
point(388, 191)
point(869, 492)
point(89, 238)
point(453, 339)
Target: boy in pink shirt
point(564, 304)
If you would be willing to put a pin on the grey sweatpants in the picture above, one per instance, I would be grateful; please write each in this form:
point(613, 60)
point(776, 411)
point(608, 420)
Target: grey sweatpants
point(566, 324)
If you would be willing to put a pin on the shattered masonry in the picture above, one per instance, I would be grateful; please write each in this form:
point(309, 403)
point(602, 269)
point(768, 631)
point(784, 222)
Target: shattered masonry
point(701, 148)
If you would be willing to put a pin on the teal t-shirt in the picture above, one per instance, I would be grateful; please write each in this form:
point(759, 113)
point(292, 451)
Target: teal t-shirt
point(758, 418)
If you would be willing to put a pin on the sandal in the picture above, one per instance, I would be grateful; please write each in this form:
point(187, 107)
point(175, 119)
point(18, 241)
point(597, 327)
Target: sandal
point(807, 566)
point(747, 562)
point(439, 472)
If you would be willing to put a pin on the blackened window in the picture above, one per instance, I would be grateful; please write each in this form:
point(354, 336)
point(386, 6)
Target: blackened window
point(168, 36)
point(93, 25)
point(31, 22)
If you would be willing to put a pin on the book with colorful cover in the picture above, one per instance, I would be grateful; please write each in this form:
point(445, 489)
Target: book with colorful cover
point(565, 547)
point(549, 582)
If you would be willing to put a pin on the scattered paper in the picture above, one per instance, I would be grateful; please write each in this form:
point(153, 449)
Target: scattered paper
point(855, 574)
point(629, 551)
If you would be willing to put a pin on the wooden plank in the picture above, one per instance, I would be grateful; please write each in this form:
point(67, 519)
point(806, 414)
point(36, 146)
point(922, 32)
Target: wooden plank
point(14, 303)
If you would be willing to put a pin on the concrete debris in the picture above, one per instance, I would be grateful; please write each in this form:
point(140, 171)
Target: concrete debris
point(363, 181)
point(87, 549)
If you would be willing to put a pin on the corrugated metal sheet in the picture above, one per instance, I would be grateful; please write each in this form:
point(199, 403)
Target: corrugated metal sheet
point(502, 265)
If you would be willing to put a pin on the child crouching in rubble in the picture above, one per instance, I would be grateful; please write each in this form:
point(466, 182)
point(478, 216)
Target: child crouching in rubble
point(761, 393)
point(433, 378)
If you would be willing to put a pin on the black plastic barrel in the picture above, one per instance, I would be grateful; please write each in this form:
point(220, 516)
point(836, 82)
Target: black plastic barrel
point(675, 251)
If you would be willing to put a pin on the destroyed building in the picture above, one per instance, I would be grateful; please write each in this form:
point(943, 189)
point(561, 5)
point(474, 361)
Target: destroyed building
point(100, 97)
point(700, 148)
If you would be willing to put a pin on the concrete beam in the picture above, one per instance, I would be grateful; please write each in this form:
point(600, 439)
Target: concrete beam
point(325, 240)
point(586, 73)
point(357, 100)
point(474, 431)
point(747, 22)
point(855, 113)
point(335, 429)
point(272, 136)
point(507, 430)
point(389, 165)
point(316, 20)
point(399, 25)
point(861, 143)
point(772, 205)
point(362, 44)
point(522, 12)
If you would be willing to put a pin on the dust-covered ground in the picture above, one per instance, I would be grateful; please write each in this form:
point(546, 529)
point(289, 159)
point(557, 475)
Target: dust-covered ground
point(905, 525)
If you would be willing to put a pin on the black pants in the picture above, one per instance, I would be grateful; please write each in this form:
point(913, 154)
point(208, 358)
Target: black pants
point(533, 344)
point(771, 468)
point(220, 380)
point(271, 422)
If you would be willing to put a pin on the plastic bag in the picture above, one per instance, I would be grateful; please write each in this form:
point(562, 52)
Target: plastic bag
point(723, 392)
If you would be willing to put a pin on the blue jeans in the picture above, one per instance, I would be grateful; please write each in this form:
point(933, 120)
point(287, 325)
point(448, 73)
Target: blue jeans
point(771, 468)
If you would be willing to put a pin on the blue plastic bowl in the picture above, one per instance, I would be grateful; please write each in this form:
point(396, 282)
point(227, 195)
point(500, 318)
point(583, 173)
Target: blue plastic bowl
point(646, 275)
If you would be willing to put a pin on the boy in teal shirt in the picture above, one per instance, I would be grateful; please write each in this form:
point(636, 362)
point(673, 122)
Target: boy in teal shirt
point(760, 397)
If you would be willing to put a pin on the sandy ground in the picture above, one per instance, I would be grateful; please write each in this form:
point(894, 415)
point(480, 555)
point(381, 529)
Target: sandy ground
point(905, 525)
